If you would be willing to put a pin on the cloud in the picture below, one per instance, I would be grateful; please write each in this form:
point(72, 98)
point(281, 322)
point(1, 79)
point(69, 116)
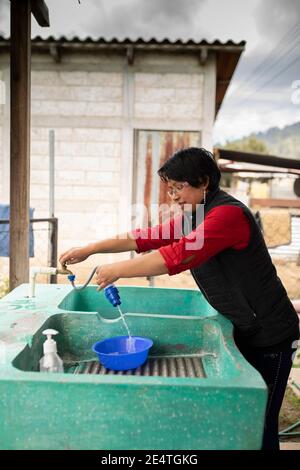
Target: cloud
point(237, 122)
point(260, 95)
point(258, 88)
point(4, 17)
point(136, 18)
point(175, 19)
point(274, 17)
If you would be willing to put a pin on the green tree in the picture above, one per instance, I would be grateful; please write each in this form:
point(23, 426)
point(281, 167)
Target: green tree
point(248, 144)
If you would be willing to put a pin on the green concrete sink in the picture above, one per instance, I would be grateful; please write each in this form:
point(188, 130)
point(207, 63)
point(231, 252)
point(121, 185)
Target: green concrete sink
point(196, 391)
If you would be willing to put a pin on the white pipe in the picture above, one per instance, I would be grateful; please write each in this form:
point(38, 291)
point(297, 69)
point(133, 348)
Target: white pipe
point(51, 172)
point(33, 273)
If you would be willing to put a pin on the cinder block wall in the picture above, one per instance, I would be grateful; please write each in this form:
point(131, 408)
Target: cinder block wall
point(2, 87)
point(94, 103)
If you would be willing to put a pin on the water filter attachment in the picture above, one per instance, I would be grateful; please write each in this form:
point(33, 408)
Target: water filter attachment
point(50, 362)
point(112, 295)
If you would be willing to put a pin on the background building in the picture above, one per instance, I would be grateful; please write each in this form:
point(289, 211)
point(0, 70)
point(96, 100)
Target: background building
point(118, 110)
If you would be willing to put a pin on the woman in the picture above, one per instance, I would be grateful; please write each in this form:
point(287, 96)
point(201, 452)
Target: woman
point(228, 258)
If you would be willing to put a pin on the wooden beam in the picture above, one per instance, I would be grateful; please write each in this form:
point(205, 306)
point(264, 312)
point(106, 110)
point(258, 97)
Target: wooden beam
point(260, 159)
point(40, 11)
point(290, 203)
point(20, 51)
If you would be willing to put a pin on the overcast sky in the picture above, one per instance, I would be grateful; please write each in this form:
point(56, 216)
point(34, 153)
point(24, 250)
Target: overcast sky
point(263, 92)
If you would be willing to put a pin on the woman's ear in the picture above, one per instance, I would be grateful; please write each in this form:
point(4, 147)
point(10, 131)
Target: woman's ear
point(205, 182)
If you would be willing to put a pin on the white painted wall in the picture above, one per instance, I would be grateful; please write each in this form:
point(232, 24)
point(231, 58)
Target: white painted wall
point(283, 187)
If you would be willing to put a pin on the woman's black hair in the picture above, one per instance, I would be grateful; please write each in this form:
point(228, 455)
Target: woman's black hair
point(193, 165)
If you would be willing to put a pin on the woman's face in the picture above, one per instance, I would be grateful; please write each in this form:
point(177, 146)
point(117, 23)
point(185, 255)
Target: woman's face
point(185, 195)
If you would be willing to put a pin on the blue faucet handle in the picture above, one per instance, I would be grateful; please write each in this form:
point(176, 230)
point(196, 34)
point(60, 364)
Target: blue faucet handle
point(112, 295)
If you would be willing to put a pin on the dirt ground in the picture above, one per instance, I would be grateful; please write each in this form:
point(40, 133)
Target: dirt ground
point(289, 273)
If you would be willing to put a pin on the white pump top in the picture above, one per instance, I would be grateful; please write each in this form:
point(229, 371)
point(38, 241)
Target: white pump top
point(50, 345)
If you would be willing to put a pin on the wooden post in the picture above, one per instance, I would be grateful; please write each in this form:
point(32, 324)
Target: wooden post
point(19, 141)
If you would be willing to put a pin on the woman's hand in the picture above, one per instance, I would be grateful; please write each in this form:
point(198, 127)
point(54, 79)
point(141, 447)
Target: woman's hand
point(151, 264)
point(106, 274)
point(74, 255)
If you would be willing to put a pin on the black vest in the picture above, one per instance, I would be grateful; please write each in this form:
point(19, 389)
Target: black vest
point(244, 287)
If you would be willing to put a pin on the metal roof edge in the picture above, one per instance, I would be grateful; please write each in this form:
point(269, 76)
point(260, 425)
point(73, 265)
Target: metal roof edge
point(63, 40)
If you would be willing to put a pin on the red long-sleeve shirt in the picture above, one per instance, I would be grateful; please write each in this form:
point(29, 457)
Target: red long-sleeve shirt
point(223, 227)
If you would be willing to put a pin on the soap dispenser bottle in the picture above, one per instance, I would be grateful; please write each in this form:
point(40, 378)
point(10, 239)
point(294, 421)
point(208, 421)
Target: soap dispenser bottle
point(50, 362)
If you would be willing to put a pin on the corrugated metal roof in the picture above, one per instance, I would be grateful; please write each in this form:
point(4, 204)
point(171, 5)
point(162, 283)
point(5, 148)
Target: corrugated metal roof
point(154, 41)
point(227, 53)
point(212, 45)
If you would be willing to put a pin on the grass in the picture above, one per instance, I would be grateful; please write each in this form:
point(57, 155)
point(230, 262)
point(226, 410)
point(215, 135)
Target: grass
point(290, 412)
point(4, 287)
point(297, 360)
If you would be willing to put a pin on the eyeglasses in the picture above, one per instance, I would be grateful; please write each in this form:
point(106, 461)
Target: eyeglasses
point(177, 189)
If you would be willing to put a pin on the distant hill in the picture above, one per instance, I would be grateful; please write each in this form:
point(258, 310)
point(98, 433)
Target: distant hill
point(283, 142)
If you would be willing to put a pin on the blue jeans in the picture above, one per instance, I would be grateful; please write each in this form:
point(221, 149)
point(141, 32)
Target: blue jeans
point(274, 366)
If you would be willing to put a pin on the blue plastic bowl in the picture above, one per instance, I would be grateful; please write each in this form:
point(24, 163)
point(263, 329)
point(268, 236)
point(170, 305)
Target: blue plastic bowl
point(115, 353)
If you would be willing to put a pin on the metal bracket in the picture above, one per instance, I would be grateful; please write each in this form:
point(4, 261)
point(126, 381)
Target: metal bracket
point(55, 52)
point(203, 55)
point(130, 55)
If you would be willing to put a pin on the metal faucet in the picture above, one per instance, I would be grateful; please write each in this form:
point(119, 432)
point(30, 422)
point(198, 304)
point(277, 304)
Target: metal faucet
point(64, 270)
point(45, 270)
